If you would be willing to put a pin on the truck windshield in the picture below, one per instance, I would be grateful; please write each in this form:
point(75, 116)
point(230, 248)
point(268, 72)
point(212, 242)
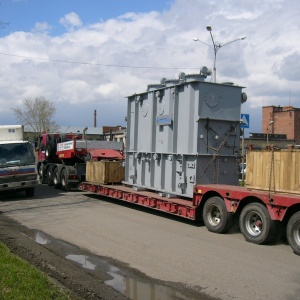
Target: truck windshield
point(16, 154)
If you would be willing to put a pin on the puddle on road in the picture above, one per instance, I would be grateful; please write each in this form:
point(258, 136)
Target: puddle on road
point(82, 260)
point(41, 238)
point(133, 287)
point(137, 290)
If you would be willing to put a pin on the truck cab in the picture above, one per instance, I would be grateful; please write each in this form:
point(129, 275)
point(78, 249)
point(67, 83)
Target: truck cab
point(17, 161)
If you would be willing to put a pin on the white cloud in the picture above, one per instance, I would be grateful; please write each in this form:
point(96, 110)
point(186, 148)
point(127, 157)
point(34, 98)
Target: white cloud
point(266, 62)
point(71, 20)
point(44, 26)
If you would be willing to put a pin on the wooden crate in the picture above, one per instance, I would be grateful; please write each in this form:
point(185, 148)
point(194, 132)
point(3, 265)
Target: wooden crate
point(277, 171)
point(104, 172)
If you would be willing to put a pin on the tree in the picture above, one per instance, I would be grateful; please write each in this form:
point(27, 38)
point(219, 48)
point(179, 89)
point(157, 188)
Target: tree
point(37, 114)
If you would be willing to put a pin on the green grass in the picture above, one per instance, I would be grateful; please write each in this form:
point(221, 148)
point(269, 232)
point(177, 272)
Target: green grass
point(20, 280)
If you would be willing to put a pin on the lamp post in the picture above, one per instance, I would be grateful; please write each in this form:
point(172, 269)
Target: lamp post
point(271, 122)
point(216, 47)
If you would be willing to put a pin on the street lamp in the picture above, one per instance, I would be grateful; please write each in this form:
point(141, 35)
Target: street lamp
point(271, 122)
point(216, 47)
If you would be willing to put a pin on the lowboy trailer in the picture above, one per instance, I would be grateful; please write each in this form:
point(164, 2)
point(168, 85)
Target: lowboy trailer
point(181, 158)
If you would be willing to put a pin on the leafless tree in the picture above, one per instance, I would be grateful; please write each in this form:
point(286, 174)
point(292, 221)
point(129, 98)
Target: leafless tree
point(37, 114)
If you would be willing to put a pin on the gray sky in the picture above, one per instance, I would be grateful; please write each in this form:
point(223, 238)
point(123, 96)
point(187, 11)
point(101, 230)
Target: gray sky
point(92, 55)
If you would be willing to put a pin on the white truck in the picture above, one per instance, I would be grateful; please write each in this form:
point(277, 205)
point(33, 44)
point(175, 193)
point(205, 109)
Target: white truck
point(17, 161)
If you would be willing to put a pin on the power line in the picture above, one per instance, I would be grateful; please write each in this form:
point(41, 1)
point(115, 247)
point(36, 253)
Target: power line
point(94, 64)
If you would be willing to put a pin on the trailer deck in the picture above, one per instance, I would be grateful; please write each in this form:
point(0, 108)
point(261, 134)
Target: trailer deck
point(177, 206)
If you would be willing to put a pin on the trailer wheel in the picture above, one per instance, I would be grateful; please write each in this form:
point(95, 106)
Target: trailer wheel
point(64, 180)
point(56, 179)
point(256, 224)
point(293, 232)
point(29, 192)
point(50, 176)
point(215, 215)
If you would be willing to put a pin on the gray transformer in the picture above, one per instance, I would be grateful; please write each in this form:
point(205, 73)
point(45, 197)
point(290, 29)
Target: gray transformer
point(181, 133)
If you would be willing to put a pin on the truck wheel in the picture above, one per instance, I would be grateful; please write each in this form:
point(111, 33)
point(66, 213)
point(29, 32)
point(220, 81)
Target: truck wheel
point(64, 180)
point(215, 215)
point(293, 232)
point(50, 150)
point(56, 179)
point(50, 176)
point(256, 224)
point(29, 192)
point(41, 172)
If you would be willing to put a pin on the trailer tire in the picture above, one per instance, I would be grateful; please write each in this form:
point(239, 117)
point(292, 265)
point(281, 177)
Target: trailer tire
point(56, 179)
point(29, 192)
point(50, 176)
point(256, 224)
point(215, 215)
point(64, 180)
point(293, 232)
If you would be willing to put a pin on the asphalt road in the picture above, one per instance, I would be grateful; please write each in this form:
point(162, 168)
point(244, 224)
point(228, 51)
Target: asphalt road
point(161, 246)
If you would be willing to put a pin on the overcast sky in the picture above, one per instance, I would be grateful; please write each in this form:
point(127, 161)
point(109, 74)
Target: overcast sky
point(89, 55)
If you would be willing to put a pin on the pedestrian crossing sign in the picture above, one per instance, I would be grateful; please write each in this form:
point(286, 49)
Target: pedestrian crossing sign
point(245, 120)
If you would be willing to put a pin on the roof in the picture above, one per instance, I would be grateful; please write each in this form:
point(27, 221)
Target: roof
point(78, 129)
point(73, 129)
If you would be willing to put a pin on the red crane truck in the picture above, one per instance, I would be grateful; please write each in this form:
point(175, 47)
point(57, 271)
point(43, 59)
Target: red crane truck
point(181, 158)
point(62, 157)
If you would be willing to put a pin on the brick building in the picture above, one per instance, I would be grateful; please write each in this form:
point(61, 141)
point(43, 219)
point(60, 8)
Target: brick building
point(281, 120)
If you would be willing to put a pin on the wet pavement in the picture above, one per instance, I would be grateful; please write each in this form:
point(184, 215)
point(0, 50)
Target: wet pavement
point(131, 285)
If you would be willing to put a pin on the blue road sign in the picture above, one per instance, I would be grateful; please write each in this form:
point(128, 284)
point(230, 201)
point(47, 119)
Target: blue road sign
point(245, 120)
